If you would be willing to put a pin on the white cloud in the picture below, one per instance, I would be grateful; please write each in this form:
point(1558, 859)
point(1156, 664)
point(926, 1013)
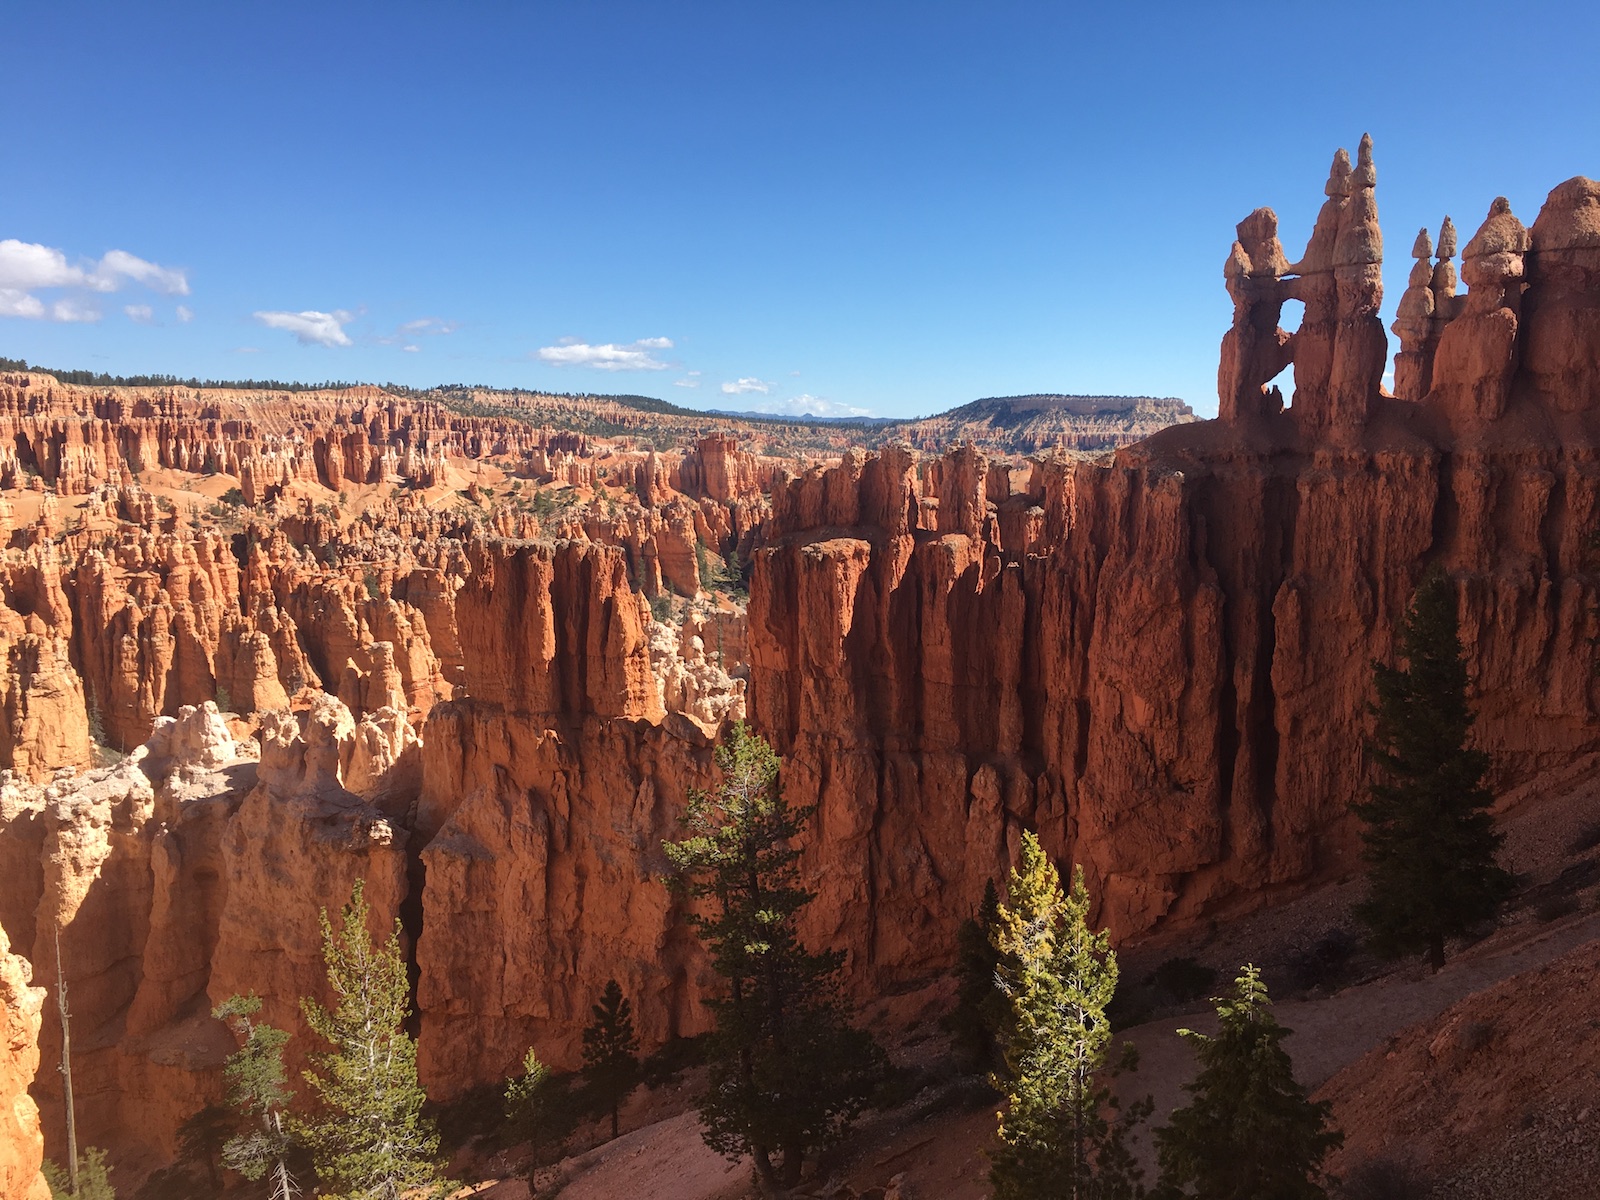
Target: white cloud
point(311, 328)
point(140, 314)
point(185, 313)
point(26, 266)
point(411, 349)
point(73, 311)
point(742, 387)
point(16, 303)
point(119, 264)
point(635, 356)
point(686, 383)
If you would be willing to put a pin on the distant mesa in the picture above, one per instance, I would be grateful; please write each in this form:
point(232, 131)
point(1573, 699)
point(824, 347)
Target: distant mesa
point(1046, 421)
point(1029, 424)
point(1082, 406)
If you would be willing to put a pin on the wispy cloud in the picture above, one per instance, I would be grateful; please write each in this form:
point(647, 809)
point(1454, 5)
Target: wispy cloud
point(690, 380)
point(311, 328)
point(634, 356)
point(17, 303)
point(119, 264)
point(140, 314)
point(742, 387)
point(26, 267)
point(807, 405)
point(185, 313)
point(422, 326)
point(411, 349)
point(73, 312)
point(431, 325)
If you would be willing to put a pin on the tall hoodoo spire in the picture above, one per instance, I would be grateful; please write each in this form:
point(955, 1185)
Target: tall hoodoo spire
point(1340, 348)
point(1561, 352)
point(1255, 349)
point(1413, 324)
point(1444, 272)
point(1478, 347)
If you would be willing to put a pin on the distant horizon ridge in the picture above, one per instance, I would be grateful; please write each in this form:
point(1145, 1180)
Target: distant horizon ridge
point(1092, 402)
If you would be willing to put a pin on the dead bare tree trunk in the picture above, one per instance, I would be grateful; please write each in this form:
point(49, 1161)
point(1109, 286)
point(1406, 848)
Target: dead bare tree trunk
point(66, 1070)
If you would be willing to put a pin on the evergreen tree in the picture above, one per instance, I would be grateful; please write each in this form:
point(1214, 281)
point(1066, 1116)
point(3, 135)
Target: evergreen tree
point(256, 1090)
point(979, 1004)
point(370, 1139)
point(787, 1071)
point(201, 1140)
point(523, 1094)
point(1430, 842)
point(1248, 1132)
point(94, 1178)
point(611, 1051)
point(1061, 1135)
point(539, 1108)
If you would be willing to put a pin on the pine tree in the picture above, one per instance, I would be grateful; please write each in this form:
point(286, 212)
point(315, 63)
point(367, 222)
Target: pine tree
point(94, 1178)
point(1430, 842)
point(539, 1107)
point(611, 1051)
point(787, 1071)
point(256, 1090)
point(201, 1140)
point(979, 1005)
point(1248, 1132)
point(370, 1139)
point(1061, 1135)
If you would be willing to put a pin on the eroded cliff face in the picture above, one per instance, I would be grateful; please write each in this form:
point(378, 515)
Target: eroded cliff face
point(1162, 663)
point(520, 847)
point(566, 721)
point(546, 794)
point(193, 869)
point(543, 844)
point(21, 1143)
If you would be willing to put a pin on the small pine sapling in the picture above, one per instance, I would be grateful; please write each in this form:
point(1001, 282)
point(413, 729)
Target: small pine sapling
point(1249, 1128)
point(611, 1051)
point(256, 1090)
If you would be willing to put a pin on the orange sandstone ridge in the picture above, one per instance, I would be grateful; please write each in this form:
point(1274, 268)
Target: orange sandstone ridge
point(437, 634)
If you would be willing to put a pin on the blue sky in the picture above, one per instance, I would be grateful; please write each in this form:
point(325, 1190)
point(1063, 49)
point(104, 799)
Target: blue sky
point(856, 206)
